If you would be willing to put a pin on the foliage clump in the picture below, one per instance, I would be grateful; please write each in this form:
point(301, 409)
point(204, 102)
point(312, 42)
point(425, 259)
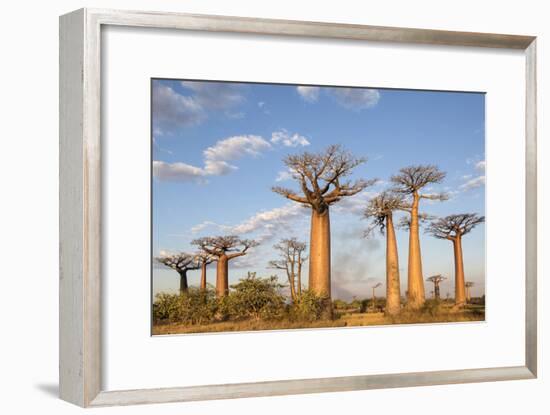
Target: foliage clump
point(251, 298)
point(307, 307)
point(257, 298)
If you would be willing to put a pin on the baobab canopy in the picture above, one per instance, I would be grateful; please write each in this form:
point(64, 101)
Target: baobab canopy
point(321, 177)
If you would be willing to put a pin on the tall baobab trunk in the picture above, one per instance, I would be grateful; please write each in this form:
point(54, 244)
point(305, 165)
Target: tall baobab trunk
point(299, 278)
point(460, 291)
point(319, 258)
point(203, 276)
point(222, 276)
point(393, 290)
point(416, 296)
point(183, 282)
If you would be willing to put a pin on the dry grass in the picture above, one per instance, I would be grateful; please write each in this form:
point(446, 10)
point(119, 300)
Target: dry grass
point(443, 314)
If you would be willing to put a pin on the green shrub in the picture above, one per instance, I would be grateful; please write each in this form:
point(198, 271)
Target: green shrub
point(256, 298)
point(193, 307)
point(166, 308)
point(432, 307)
point(308, 307)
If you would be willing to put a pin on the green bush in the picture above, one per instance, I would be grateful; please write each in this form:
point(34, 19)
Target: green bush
point(193, 307)
point(308, 307)
point(432, 307)
point(256, 298)
point(166, 308)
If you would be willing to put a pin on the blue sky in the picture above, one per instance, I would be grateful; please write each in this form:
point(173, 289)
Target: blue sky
point(218, 150)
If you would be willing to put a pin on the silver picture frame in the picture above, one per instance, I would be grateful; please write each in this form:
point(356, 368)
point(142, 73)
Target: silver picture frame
point(80, 205)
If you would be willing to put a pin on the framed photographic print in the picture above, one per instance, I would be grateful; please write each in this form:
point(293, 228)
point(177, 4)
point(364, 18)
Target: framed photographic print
point(232, 188)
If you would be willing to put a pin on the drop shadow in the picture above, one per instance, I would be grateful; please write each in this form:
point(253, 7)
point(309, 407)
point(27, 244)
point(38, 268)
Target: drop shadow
point(51, 389)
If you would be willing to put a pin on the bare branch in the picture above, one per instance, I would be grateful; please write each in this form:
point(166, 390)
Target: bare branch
point(413, 178)
point(405, 221)
point(218, 246)
point(290, 194)
point(181, 262)
point(454, 226)
point(435, 196)
point(436, 279)
point(382, 206)
point(319, 176)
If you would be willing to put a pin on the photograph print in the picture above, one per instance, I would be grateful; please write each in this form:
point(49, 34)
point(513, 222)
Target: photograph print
point(278, 207)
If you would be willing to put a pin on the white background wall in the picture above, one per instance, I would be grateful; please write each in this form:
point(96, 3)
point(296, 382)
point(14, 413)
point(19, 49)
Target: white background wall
point(28, 212)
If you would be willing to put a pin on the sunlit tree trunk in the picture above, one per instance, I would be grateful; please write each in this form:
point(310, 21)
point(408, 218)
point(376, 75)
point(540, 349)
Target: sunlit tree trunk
point(393, 290)
point(416, 296)
point(437, 294)
point(299, 277)
point(183, 281)
point(460, 291)
point(319, 259)
point(203, 276)
point(222, 276)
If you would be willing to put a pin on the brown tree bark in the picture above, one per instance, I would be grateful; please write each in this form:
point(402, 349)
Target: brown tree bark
point(416, 296)
point(299, 276)
point(460, 291)
point(437, 293)
point(203, 276)
point(319, 258)
point(183, 282)
point(393, 289)
point(222, 276)
point(292, 287)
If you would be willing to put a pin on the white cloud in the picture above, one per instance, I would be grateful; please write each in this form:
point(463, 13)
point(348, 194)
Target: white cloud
point(203, 225)
point(217, 168)
point(355, 204)
point(215, 95)
point(283, 137)
point(269, 220)
point(180, 172)
point(356, 98)
point(473, 183)
point(216, 160)
point(173, 109)
point(235, 147)
point(283, 175)
point(264, 225)
point(309, 93)
point(352, 98)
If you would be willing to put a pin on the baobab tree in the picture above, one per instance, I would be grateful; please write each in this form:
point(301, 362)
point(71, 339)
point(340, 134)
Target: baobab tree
point(291, 259)
point(453, 228)
point(374, 287)
point(322, 181)
point(380, 211)
point(436, 280)
point(182, 263)
point(223, 249)
point(203, 259)
point(468, 285)
point(409, 182)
